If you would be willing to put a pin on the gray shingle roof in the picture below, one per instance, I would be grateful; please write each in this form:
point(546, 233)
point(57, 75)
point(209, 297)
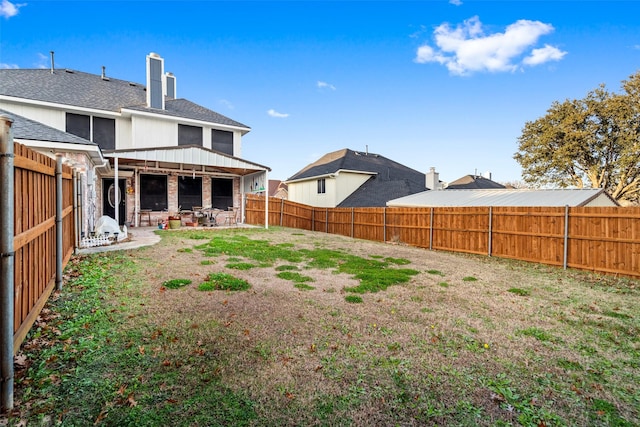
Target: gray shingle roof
point(389, 179)
point(346, 159)
point(31, 130)
point(473, 182)
point(79, 89)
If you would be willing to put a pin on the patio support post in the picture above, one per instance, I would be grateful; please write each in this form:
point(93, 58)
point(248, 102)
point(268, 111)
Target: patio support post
point(7, 256)
point(243, 198)
point(266, 200)
point(566, 237)
point(75, 210)
point(59, 254)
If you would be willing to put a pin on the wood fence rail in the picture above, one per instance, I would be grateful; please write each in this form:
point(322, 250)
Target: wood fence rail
point(600, 239)
point(37, 239)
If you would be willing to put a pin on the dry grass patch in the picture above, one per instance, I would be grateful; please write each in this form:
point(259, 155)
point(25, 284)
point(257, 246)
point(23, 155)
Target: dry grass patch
point(414, 352)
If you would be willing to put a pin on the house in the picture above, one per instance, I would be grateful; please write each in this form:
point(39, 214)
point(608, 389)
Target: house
point(166, 153)
point(348, 178)
point(507, 197)
point(278, 189)
point(473, 182)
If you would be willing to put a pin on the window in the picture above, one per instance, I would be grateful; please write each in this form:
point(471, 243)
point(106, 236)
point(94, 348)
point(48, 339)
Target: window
point(104, 130)
point(221, 193)
point(321, 186)
point(104, 133)
point(79, 125)
point(189, 192)
point(153, 192)
point(222, 141)
point(189, 135)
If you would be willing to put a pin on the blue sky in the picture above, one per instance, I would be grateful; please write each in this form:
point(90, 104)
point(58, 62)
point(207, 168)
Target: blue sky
point(448, 84)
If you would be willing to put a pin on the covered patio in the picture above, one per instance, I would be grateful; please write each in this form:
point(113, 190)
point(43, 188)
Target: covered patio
point(155, 183)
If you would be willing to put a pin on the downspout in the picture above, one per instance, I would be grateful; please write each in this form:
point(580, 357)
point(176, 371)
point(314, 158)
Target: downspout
point(59, 254)
point(7, 259)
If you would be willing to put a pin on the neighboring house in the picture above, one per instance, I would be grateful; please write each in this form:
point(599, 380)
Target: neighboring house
point(278, 189)
point(507, 197)
point(166, 153)
point(473, 182)
point(348, 178)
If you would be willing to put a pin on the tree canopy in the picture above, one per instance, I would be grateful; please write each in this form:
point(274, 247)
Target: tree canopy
point(591, 142)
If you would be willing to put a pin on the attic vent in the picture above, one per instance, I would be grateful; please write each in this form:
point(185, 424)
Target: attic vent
point(132, 84)
point(69, 71)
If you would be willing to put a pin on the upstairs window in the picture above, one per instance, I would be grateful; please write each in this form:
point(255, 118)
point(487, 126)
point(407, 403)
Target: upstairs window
point(189, 135)
point(104, 133)
point(321, 186)
point(79, 125)
point(222, 141)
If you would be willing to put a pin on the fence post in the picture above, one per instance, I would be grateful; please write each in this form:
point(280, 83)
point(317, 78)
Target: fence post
point(326, 220)
point(281, 210)
point(384, 225)
point(59, 254)
point(7, 260)
point(352, 222)
point(490, 228)
point(313, 218)
point(566, 237)
point(431, 231)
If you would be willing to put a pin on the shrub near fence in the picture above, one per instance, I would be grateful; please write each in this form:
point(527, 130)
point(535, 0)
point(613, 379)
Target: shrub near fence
point(601, 239)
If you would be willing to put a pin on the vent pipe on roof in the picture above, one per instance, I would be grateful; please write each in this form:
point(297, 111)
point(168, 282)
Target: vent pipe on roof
point(52, 64)
point(104, 74)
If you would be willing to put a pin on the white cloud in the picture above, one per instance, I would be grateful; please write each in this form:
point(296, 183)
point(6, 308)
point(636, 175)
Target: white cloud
point(325, 85)
point(455, 2)
point(9, 66)
point(227, 104)
point(274, 113)
point(8, 9)
point(466, 49)
point(545, 54)
point(44, 61)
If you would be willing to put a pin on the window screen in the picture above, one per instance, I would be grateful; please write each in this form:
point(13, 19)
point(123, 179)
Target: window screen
point(153, 192)
point(104, 133)
point(221, 193)
point(189, 192)
point(222, 141)
point(321, 186)
point(189, 135)
point(79, 125)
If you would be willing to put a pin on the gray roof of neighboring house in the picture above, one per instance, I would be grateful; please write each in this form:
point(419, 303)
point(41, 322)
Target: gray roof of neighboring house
point(473, 182)
point(389, 179)
point(505, 197)
point(79, 89)
point(375, 192)
point(350, 160)
point(24, 128)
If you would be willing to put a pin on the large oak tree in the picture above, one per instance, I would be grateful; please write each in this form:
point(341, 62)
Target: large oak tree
point(591, 142)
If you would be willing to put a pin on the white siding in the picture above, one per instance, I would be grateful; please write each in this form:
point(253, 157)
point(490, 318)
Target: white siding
point(124, 133)
point(148, 133)
point(337, 189)
point(347, 183)
point(54, 118)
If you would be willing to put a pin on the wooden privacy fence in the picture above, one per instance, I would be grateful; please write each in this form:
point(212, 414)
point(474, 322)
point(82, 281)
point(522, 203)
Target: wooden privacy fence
point(37, 238)
point(601, 239)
